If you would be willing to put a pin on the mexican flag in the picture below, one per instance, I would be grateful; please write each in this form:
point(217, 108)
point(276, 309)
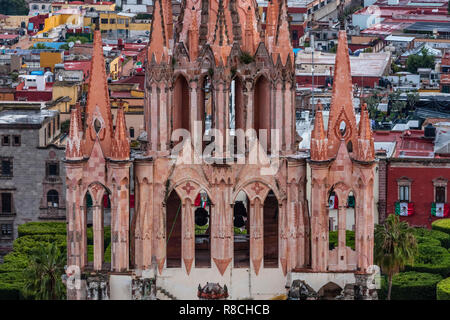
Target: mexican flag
point(404, 208)
point(440, 209)
point(333, 202)
point(201, 201)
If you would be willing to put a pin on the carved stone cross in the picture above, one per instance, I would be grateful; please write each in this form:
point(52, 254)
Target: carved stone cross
point(188, 188)
point(257, 188)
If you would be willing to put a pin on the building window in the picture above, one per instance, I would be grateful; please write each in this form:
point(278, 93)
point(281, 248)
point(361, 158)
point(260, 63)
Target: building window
point(112, 21)
point(16, 141)
point(440, 190)
point(132, 132)
point(6, 203)
point(404, 189)
point(5, 140)
point(404, 193)
point(7, 229)
point(52, 169)
point(104, 21)
point(440, 194)
point(53, 199)
point(7, 167)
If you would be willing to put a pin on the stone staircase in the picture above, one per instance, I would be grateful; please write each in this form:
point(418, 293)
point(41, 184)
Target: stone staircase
point(162, 294)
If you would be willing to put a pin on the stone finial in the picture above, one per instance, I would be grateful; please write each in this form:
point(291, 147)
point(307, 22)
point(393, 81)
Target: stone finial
point(318, 137)
point(248, 35)
point(73, 147)
point(342, 120)
point(221, 45)
point(120, 143)
point(282, 44)
point(271, 23)
point(193, 37)
point(98, 109)
point(158, 48)
point(366, 149)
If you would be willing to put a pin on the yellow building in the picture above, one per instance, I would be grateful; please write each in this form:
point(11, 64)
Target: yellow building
point(101, 6)
point(66, 89)
point(16, 21)
point(115, 68)
point(119, 21)
point(49, 59)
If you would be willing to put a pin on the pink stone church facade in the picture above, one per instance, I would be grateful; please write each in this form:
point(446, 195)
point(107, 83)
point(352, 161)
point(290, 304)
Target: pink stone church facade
point(224, 218)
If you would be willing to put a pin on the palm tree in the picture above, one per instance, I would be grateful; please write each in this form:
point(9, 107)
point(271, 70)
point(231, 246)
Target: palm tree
point(395, 246)
point(43, 275)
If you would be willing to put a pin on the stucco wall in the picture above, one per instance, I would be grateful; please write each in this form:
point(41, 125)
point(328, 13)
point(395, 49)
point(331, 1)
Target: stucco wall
point(422, 189)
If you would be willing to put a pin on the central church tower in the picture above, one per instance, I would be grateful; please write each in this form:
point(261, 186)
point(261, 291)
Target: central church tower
point(220, 77)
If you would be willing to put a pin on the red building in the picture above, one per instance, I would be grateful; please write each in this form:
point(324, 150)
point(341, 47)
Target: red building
point(36, 24)
point(414, 175)
point(24, 93)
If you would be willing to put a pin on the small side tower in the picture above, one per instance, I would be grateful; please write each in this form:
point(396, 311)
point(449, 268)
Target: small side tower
point(97, 166)
point(342, 166)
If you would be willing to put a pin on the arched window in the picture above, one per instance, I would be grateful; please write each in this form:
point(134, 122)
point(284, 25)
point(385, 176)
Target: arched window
point(241, 221)
point(181, 104)
point(173, 230)
point(53, 199)
point(202, 230)
point(270, 221)
point(206, 105)
point(261, 116)
point(236, 111)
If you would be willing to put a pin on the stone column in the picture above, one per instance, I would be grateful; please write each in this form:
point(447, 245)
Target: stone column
point(82, 226)
point(119, 178)
point(249, 93)
point(164, 137)
point(144, 215)
point(97, 216)
point(256, 234)
point(153, 130)
point(289, 118)
point(188, 234)
point(319, 217)
point(76, 225)
point(342, 217)
point(73, 246)
point(365, 224)
point(221, 227)
point(278, 110)
point(220, 116)
point(284, 236)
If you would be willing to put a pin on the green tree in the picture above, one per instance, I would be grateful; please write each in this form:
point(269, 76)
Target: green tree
point(43, 275)
point(397, 105)
point(423, 60)
point(40, 46)
point(395, 246)
point(14, 7)
point(412, 99)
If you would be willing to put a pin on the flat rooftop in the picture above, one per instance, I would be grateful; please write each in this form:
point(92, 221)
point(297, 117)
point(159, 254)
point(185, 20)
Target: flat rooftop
point(366, 64)
point(26, 116)
point(429, 26)
point(412, 3)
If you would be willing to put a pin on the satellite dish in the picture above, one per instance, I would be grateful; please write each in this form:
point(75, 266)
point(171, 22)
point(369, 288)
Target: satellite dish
point(71, 44)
